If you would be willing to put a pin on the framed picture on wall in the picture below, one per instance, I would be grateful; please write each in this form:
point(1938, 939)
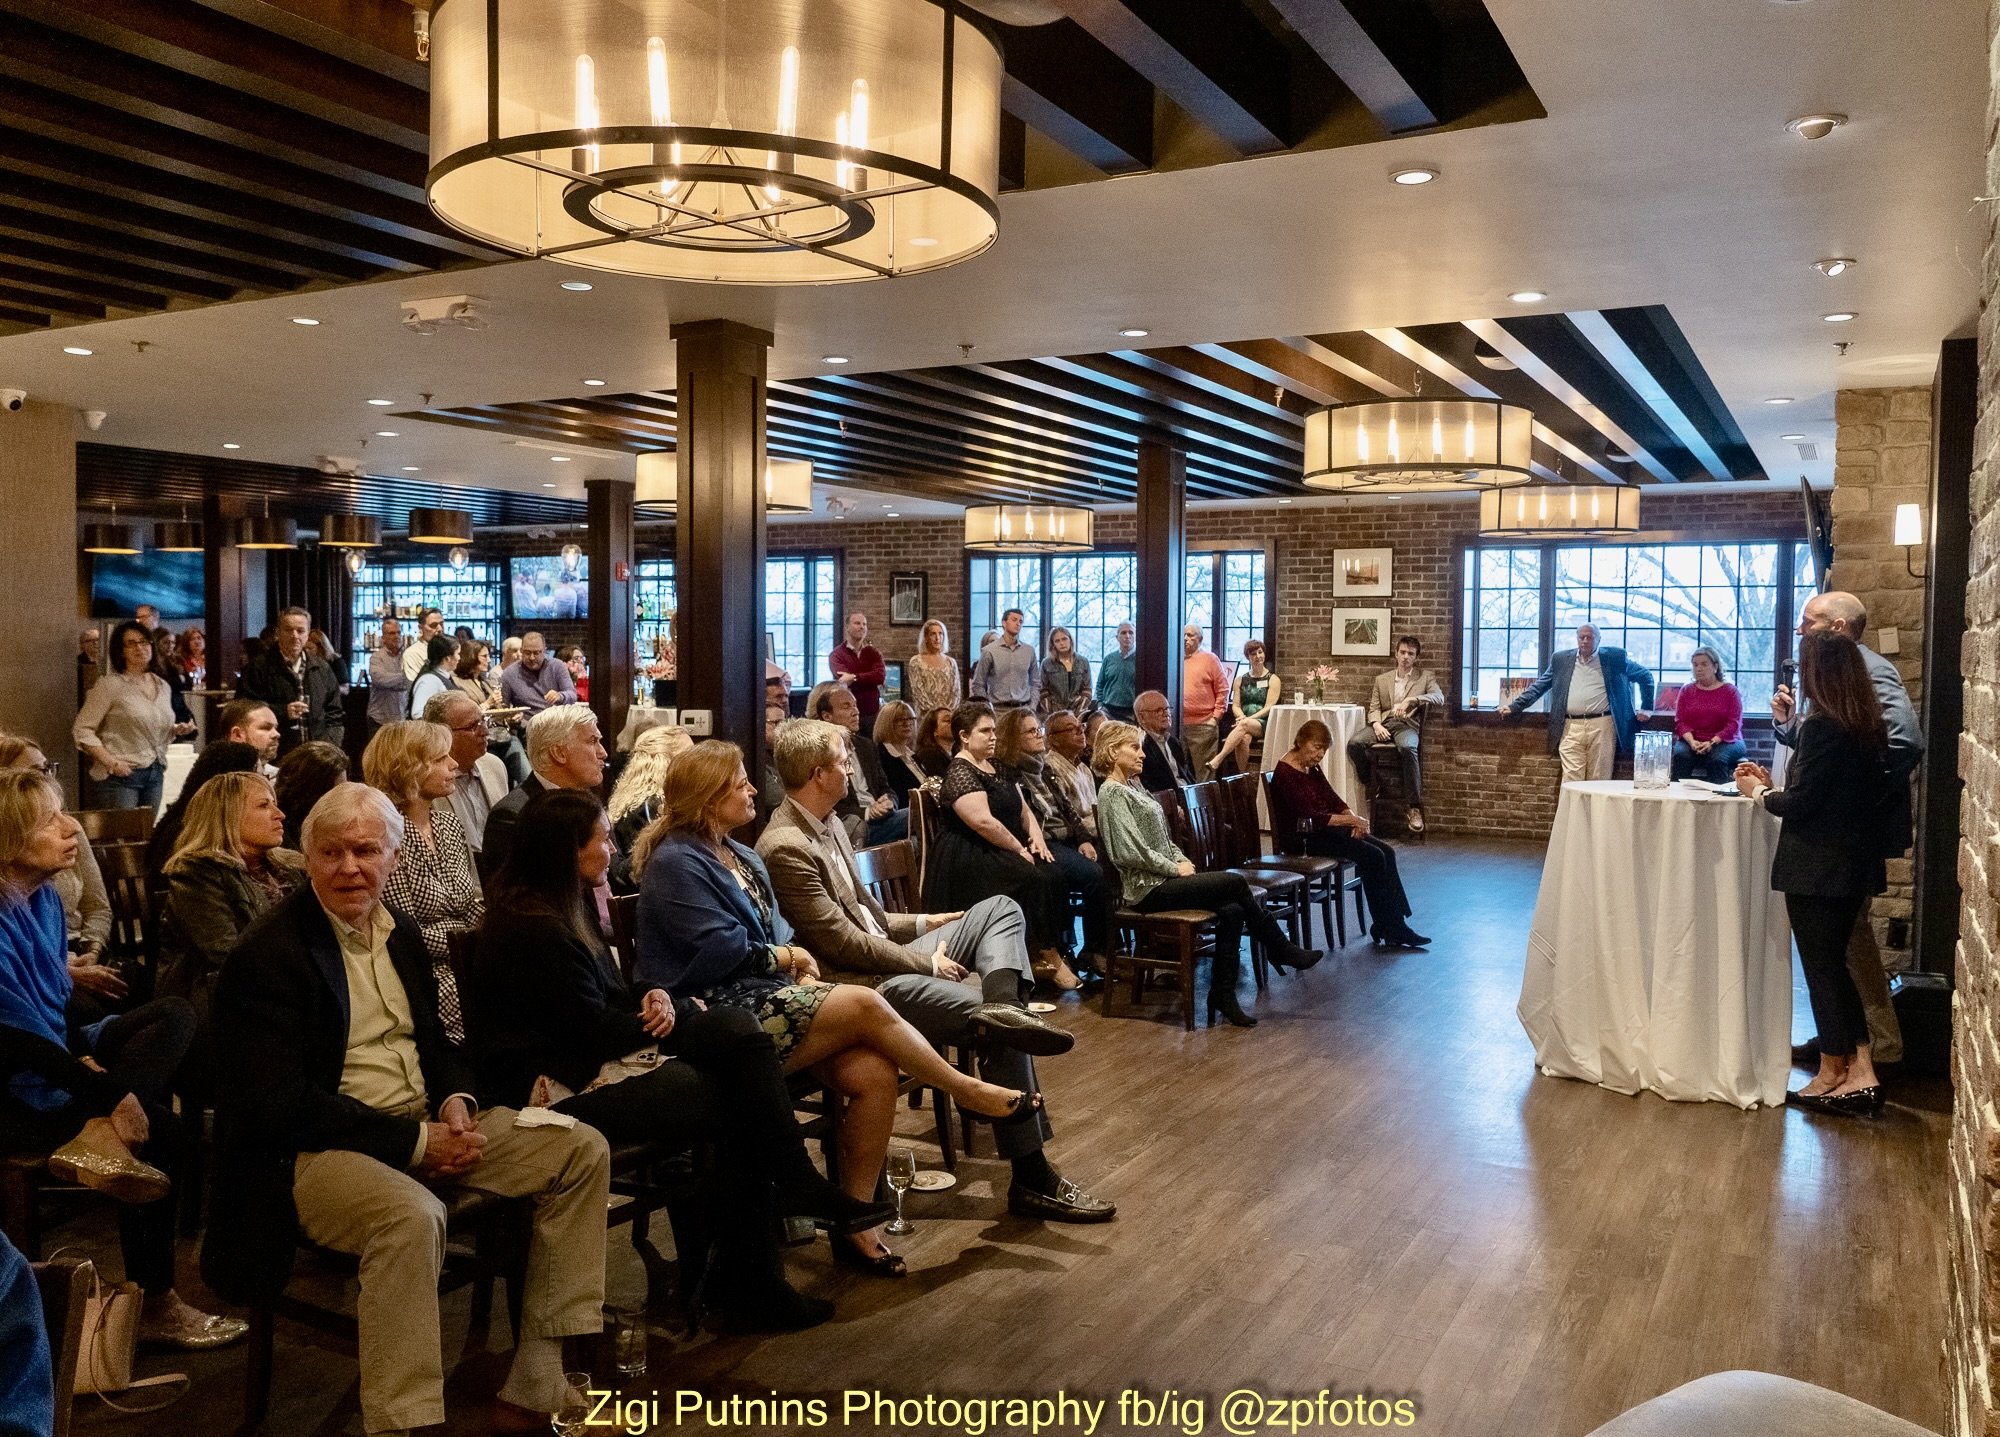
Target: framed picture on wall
point(1363, 573)
point(1361, 631)
point(909, 600)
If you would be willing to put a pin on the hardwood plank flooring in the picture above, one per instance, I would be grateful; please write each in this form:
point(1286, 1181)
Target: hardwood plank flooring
point(1371, 1192)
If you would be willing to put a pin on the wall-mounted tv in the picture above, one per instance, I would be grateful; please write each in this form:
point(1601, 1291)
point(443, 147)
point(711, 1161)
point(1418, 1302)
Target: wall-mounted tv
point(172, 583)
point(544, 587)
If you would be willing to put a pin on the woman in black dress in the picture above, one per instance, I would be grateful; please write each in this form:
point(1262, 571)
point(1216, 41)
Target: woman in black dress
point(988, 843)
point(1830, 856)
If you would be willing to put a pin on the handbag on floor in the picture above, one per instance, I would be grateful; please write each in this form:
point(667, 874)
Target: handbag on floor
point(109, 1342)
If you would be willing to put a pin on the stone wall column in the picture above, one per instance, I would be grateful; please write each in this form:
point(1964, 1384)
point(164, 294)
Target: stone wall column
point(39, 554)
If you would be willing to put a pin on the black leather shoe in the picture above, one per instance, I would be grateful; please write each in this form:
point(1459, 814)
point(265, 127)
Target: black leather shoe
point(1006, 1026)
point(1067, 1203)
point(1861, 1103)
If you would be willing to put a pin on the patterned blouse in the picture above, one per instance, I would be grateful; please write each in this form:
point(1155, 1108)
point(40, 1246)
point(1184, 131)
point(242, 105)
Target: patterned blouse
point(436, 884)
point(928, 687)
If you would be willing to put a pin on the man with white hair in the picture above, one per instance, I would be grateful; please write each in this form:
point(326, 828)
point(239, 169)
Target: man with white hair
point(481, 780)
point(1591, 715)
point(565, 750)
point(347, 1116)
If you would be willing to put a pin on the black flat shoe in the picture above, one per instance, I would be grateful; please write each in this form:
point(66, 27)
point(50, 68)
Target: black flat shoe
point(1410, 935)
point(1299, 959)
point(1229, 1008)
point(1025, 1107)
point(1861, 1103)
point(882, 1264)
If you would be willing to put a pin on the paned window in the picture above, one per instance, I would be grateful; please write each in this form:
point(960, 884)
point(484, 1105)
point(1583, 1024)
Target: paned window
point(653, 604)
point(471, 596)
point(801, 596)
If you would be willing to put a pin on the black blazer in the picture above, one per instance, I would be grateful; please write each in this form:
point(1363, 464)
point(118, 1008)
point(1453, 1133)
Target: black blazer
point(869, 759)
point(1830, 845)
point(280, 1019)
point(502, 820)
point(269, 678)
point(1167, 764)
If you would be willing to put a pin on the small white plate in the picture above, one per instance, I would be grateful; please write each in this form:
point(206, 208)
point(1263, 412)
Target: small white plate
point(933, 1180)
point(1041, 1007)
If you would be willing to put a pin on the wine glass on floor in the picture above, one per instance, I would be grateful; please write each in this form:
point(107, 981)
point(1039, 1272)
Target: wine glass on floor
point(572, 1417)
point(902, 1172)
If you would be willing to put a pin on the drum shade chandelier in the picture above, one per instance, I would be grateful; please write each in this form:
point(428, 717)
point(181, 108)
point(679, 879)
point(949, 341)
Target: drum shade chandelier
point(177, 536)
point(787, 483)
point(112, 538)
point(440, 526)
point(1419, 445)
point(1559, 509)
point(1027, 529)
point(732, 141)
point(350, 531)
point(262, 531)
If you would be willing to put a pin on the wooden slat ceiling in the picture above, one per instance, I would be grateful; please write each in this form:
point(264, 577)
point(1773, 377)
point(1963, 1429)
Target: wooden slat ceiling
point(163, 153)
point(1618, 395)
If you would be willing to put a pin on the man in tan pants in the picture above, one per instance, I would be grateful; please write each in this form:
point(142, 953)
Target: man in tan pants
point(329, 1011)
point(1591, 713)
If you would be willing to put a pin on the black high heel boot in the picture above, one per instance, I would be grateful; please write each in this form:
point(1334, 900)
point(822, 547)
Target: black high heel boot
point(1222, 992)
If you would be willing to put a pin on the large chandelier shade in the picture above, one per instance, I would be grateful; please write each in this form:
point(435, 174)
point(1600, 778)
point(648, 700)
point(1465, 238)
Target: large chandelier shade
point(1559, 509)
point(787, 483)
point(1419, 445)
point(734, 141)
point(1027, 529)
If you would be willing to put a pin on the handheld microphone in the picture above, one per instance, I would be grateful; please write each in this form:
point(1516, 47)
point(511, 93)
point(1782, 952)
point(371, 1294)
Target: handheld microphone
point(1788, 673)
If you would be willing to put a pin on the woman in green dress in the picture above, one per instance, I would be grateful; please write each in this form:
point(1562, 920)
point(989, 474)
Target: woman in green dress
point(1256, 690)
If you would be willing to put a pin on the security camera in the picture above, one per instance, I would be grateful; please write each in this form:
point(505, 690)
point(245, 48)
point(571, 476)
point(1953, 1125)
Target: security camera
point(93, 419)
point(13, 399)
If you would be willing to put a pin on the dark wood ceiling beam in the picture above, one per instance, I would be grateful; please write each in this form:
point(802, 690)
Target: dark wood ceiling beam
point(948, 481)
point(1264, 422)
point(1659, 344)
point(1278, 363)
point(76, 259)
point(54, 303)
point(941, 451)
point(1365, 351)
point(31, 318)
point(112, 296)
point(1069, 86)
point(224, 51)
point(35, 223)
point(1556, 343)
point(1210, 57)
point(377, 34)
point(896, 394)
point(1355, 38)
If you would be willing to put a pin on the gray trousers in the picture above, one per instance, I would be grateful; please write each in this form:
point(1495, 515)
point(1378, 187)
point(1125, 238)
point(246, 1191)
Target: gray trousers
point(991, 943)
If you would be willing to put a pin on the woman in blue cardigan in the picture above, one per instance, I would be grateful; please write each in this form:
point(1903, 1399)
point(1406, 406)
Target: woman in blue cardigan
point(710, 929)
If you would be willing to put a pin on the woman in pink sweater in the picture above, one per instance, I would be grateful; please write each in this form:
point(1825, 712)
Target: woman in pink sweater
point(1708, 722)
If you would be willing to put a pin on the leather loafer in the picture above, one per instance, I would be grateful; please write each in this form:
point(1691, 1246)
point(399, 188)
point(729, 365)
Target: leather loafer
point(1017, 1028)
point(1068, 1203)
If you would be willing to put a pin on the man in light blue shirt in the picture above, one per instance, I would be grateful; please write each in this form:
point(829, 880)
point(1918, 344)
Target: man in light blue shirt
point(1008, 675)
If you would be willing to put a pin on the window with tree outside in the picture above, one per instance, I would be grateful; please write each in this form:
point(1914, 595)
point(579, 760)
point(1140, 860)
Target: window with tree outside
point(1092, 594)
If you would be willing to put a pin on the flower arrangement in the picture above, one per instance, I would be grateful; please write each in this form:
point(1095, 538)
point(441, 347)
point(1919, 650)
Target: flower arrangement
point(1319, 678)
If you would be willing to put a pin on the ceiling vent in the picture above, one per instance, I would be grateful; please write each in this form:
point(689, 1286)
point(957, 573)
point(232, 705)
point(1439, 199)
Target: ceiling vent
point(445, 311)
point(339, 465)
point(1808, 453)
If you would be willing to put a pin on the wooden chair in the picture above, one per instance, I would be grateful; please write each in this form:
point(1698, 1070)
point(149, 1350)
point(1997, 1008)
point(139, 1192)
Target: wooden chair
point(64, 1285)
point(1198, 838)
point(1170, 942)
point(115, 825)
point(1323, 876)
point(129, 887)
point(625, 932)
point(1385, 778)
point(1285, 829)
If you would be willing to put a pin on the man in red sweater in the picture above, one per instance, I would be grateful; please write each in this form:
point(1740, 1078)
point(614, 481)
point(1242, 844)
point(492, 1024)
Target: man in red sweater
point(858, 664)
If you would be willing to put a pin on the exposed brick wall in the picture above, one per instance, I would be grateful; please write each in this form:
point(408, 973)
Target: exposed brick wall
point(1970, 1333)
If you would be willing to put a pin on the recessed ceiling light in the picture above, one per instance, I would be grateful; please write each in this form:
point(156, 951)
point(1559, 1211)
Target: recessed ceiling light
point(412, 469)
point(1815, 127)
point(1792, 438)
point(894, 515)
point(381, 403)
point(1414, 175)
point(1779, 399)
point(924, 241)
point(1284, 501)
point(1134, 333)
point(549, 484)
point(1839, 316)
point(594, 383)
point(833, 359)
point(232, 446)
point(387, 434)
point(1528, 296)
point(306, 320)
point(576, 286)
point(1834, 266)
point(559, 459)
point(77, 349)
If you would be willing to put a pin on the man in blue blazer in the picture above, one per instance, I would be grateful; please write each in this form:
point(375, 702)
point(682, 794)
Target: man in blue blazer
point(1591, 715)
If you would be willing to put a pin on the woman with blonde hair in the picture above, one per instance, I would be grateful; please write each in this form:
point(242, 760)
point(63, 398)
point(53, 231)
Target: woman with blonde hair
point(709, 928)
point(229, 865)
point(895, 738)
point(635, 800)
point(931, 677)
point(434, 880)
point(1065, 676)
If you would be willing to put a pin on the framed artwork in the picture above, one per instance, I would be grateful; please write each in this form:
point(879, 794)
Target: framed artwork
point(1361, 631)
point(1363, 573)
point(909, 600)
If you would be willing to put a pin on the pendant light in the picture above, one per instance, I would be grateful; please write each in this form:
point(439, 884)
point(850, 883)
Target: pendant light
point(265, 532)
point(112, 538)
point(355, 562)
point(1419, 445)
point(1555, 510)
point(458, 558)
point(1027, 529)
point(350, 531)
point(440, 526)
point(787, 483)
point(178, 536)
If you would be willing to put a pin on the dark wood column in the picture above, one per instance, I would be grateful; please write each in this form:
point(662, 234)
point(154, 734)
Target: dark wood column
point(1162, 568)
point(236, 585)
point(719, 527)
point(609, 546)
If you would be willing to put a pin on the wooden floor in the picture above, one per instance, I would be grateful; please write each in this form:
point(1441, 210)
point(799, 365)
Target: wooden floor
point(1370, 1192)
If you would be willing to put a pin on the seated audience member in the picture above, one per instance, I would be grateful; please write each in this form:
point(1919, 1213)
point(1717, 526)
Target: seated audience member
point(1069, 765)
point(1021, 754)
point(126, 723)
point(1396, 715)
point(304, 776)
point(925, 966)
point(27, 1380)
point(85, 900)
point(537, 682)
point(934, 742)
point(252, 721)
point(564, 751)
point(439, 674)
point(771, 790)
point(1255, 690)
point(1708, 722)
point(510, 652)
point(635, 798)
point(871, 813)
point(479, 681)
point(229, 865)
point(988, 841)
point(222, 756)
point(349, 1111)
point(1167, 763)
point(557, 1025)
point(1310, 817)
point(709, 928)
point(1157, 875)
point(895, 747)
point(480, 779)
point(100, 1096)
point(433, 881)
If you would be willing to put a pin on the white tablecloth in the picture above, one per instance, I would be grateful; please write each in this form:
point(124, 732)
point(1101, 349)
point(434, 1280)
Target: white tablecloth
point(1659, 956)
point(180, 758)
point(1283, 721)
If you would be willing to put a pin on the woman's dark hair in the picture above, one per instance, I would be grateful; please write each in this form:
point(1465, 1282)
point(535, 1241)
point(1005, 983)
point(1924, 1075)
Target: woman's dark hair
point(440, 648)
point(468, 657)
point(1008, 745)
point(114, 655)
point(541, 874)
point(1835, 677)
point(304, 777)
point(222, 756)
point(167, 668)
point(965, 718)
point(1312, 731)
point(927, 747)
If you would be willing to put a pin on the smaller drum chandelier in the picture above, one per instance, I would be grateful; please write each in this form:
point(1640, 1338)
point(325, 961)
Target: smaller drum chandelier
point(788, 483)
point(729, 141)
point(1554, 510)
point(1027, 529)
point(1419, 445)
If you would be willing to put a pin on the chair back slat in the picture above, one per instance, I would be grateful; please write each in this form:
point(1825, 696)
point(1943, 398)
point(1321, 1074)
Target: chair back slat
point(1241, 791)
point(1175, 808)
point(1210, 850)
point(1284, 823)
point(625, 932)
point(129, 887)
point(115, 825)
point(888, 871)
point(923, 823)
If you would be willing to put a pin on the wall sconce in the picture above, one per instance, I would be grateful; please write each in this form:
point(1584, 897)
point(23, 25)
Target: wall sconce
point(1910, 533)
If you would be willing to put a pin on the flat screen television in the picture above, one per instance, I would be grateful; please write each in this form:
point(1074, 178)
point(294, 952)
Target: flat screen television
point(172, 583)
point(543, 587)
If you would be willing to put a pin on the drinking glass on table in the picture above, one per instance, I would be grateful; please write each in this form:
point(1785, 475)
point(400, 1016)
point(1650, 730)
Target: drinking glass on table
point(902, 1172)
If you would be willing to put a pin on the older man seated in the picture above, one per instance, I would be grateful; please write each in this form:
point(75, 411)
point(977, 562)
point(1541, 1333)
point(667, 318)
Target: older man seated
point(348, 1113)
point(565, 750)
point(923, 965)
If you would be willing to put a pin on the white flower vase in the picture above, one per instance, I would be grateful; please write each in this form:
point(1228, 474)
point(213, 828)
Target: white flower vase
point(1652, 759)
